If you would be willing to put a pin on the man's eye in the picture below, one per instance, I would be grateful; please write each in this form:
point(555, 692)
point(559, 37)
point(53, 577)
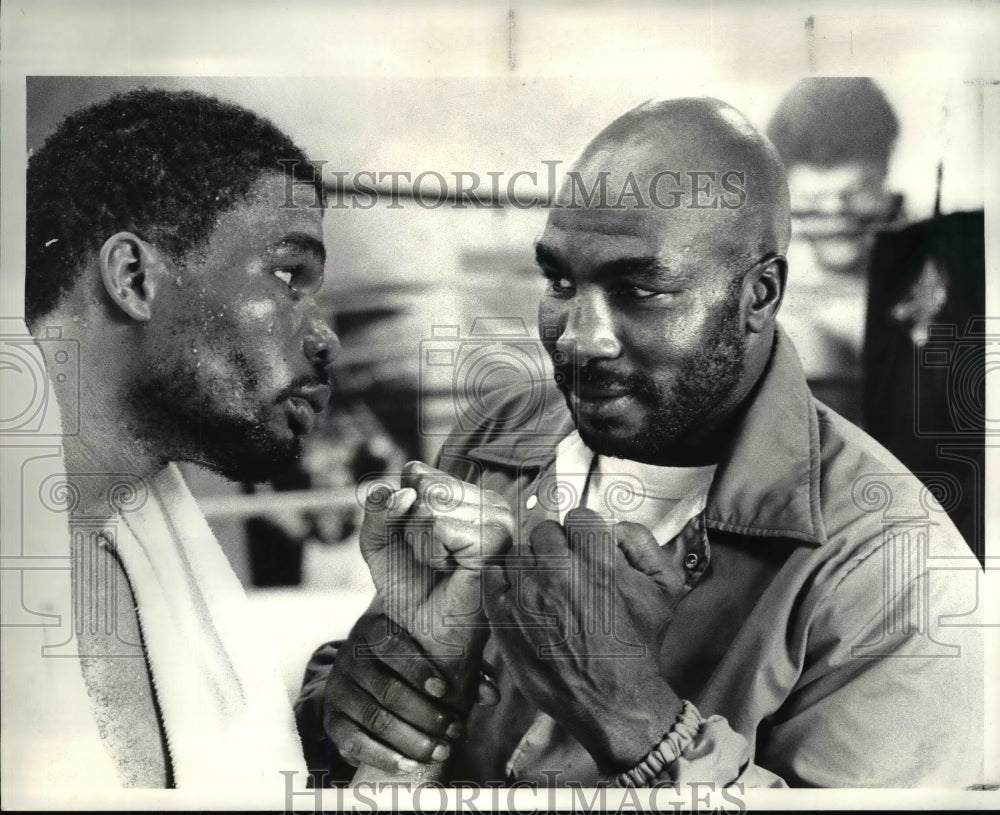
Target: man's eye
point(285, 275)
point(636, 293)
point(559, 285)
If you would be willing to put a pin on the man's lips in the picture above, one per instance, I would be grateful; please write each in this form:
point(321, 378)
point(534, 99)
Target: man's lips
point(592, 389)
point(316, 395)
point(303, 404)
point(595, 392)
point(602, 403)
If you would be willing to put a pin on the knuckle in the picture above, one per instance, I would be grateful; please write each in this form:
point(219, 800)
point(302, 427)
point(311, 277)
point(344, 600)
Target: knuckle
point(375, 719)
point(350, 748)
point(391, 693)
point(359, 672)
point(421, 506)
point(343, 732)
point(336, 692)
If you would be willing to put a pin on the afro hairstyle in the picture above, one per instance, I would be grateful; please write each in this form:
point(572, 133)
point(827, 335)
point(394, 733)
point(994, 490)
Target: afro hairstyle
point(162, 164)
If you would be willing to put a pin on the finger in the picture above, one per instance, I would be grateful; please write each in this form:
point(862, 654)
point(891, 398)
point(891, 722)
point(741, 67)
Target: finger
point(403, 655)
point(402, 501)
point(548, 540)
point(438, 507)
point(496, 593)
point(393, 693)
point(381, 503)
point(644, 554)
point(580, 518)
point(357, 747)
point(413, 470)
point(378, 637)
point(378, 495)
point(445, 490)
point(640, 548)
point(389, 729)
point(461, 543)
point(489, 691)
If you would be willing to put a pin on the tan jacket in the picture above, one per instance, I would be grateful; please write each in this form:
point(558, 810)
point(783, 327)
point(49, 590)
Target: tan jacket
point(827, 630)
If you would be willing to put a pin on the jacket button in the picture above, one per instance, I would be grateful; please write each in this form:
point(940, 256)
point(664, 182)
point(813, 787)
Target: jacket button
point(532, 502)
point(691, 560)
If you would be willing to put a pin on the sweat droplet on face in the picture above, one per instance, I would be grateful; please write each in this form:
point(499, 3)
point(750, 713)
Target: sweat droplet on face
point(259, 310)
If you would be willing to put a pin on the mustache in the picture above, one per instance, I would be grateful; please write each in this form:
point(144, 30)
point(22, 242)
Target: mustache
point(597, 375)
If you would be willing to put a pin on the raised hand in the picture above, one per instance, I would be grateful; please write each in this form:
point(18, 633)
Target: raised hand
point(389, 709)
point(604, 594)
point(426, 545)
point(401, 688)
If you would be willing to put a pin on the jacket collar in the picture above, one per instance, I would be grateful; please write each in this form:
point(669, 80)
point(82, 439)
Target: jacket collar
point(769, 483)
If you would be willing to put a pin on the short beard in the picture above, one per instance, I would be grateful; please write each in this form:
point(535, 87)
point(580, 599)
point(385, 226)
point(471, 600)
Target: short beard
point(246, 450)
point(181, 427)
point(705, 381)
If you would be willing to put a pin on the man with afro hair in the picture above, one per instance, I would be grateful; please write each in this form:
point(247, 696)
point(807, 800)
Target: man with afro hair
point(174, 246)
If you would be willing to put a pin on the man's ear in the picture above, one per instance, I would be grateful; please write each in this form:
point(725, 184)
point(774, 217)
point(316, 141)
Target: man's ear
point(767, 284)
point(131, 270)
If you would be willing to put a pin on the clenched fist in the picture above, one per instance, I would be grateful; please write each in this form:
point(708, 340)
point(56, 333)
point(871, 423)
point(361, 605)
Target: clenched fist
point(402, 686)
point(580, 614)
point(426, 545)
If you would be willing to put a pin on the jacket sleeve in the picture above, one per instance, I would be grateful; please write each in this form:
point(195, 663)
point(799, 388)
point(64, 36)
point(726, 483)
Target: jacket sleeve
point(326, 767)
point(891, 691)
point(892, 698)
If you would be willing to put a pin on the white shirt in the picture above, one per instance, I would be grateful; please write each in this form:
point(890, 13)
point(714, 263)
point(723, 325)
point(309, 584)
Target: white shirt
point(662, 499)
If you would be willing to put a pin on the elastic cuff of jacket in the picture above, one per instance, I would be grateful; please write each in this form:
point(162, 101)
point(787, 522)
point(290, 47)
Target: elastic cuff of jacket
point(683, 731)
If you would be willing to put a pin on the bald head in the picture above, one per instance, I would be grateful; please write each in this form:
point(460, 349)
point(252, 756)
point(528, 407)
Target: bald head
point(698, 162)
point(664, 256)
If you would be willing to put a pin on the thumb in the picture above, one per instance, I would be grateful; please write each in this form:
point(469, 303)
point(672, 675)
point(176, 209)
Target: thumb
point(381, 504)
point(642, 551)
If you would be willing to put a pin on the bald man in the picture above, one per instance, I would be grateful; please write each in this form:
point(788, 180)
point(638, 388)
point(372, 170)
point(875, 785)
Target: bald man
point(685, 570)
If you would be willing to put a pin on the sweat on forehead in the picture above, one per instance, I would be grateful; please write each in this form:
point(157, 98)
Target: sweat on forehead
point(697, 161)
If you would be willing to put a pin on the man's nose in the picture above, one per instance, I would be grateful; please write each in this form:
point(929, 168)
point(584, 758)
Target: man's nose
point(320, 344)
point(589, 330)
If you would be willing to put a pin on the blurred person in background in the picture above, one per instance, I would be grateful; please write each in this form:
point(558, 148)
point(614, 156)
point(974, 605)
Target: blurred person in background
point(835, 136)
